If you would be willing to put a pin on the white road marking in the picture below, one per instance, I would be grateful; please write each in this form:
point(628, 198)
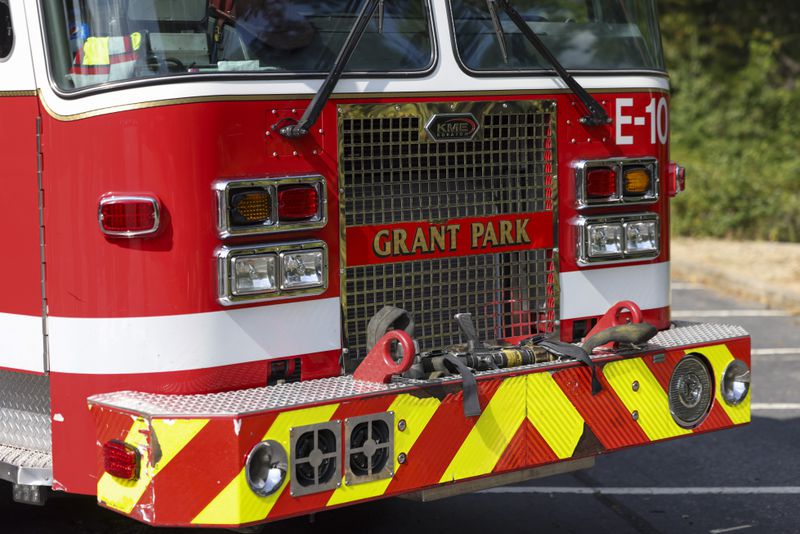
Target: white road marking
point(730, 490)
point(686, 286)
point(681, 314)
point(731, 529)
point(771, 406)
point(775, 352)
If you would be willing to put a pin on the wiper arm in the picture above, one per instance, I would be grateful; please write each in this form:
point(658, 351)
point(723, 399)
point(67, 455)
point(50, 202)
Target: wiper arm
point(597, 115)
point(314, 109)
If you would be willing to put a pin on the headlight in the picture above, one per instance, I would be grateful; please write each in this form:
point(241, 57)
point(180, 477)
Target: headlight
point(619, 238)
point(641, 237)
point(605, 240)
point(303, 269)
point(253, 274)
point(690, 391)
point(266, 468)
point(735, 382)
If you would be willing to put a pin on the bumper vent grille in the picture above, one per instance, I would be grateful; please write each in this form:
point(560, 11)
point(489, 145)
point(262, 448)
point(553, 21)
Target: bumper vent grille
point(392, 172)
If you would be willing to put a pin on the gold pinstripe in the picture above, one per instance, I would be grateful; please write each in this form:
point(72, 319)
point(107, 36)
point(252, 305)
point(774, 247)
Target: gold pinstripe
point(719, 356)
point(650, 401)
point(172, 437)
point(417, 413)
point(553, 415)
point(490, 436)
point(236, 503)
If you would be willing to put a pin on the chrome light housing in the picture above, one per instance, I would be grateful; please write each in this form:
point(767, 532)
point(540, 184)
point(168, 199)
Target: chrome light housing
point(735, 382)
point(262, 214)
point(621, 167)
point(691, 391)
point(619, 238)
point(266, 468)
point(250, 274)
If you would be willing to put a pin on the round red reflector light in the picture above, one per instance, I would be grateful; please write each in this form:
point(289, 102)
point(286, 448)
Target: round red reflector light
point(298, 203)
point(122, 216)
point(601, 182)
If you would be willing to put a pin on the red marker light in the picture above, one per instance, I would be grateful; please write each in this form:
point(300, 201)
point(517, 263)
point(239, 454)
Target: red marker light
point(128, 216)
point(121, 460)
point(601, 182)
point(298, 203)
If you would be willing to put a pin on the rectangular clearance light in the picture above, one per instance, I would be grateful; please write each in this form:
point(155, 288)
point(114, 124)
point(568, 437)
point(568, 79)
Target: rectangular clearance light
point(616, 181)
point(249, 274)
point(268, 205)
point(619, 238)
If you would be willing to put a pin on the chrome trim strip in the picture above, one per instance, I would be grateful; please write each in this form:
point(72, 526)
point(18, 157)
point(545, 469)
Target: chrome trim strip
point(112, 199)
point(225, 254)
point(619, 165)
point(223, 189)
point(583, 243)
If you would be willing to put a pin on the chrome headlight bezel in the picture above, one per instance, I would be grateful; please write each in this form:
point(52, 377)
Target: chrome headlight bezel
point(585, 224)
point(225, 272)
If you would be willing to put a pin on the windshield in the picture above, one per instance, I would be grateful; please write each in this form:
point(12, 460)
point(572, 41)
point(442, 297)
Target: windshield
point(95, 42)
point(582, 34)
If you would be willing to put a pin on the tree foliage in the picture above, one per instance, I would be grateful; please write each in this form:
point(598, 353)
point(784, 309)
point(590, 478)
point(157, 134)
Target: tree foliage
point(735, 66)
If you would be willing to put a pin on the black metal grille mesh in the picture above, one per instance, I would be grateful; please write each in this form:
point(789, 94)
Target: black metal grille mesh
point(395, 174)
point(392, 172)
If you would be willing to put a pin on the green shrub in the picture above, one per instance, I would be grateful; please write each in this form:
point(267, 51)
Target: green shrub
point(737, 132)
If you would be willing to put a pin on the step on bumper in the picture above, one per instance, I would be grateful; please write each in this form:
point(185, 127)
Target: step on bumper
point(193, 449)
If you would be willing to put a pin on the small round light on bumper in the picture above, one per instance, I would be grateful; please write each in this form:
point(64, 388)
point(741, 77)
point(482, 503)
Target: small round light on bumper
point(735, 382)
point(690, 391)
point(266, 468)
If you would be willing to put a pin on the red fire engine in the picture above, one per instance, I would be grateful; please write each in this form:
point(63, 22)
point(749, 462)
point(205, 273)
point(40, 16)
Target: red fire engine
point(271, 257)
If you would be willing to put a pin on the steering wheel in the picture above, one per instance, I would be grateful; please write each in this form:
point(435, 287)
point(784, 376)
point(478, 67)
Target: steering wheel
point(170, 64)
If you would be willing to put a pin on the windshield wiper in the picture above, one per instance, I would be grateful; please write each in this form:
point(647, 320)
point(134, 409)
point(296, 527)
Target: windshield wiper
point(316, 106)
point(597, 115)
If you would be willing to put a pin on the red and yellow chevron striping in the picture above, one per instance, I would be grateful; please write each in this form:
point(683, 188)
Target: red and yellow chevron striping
point(193, 468)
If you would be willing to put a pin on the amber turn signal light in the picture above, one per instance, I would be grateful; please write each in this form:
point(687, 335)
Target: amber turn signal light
point(637, 181)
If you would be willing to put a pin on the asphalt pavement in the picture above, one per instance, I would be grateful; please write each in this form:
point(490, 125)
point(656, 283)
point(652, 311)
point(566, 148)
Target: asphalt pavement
point(745, 480)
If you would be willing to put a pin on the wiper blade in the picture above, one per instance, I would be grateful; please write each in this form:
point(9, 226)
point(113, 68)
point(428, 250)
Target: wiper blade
point(316, 106)
point(597, 115)
point(498, 29)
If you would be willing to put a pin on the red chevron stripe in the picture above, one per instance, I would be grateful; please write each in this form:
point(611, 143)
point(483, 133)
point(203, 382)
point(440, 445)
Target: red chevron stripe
point(539, 452)
point(516, 454)
point(440, 441)
point(197, 474)
point(605, 413)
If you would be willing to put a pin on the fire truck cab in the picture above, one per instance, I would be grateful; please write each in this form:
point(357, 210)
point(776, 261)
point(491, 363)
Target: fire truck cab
point(271, 257)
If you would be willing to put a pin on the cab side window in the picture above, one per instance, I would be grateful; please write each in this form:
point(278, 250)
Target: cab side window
point(6, 31)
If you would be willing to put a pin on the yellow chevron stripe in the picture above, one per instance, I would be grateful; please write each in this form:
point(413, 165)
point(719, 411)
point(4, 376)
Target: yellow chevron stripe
point(237, 504)
point(553, 415)
point(492, 433)
point(720, 356)
point(417, 412)
point(650, 401)
point(172, 435)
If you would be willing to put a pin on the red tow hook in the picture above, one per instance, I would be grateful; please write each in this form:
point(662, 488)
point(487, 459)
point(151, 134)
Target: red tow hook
point(621, 313)
point(379, 366)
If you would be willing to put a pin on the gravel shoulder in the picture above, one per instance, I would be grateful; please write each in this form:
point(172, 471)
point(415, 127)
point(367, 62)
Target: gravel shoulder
point(756, 270)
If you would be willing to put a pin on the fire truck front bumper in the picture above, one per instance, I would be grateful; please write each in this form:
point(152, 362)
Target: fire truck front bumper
point(252, 456)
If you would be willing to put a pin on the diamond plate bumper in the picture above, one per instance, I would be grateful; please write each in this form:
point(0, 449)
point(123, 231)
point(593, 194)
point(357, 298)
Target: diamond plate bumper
point(194, 447)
